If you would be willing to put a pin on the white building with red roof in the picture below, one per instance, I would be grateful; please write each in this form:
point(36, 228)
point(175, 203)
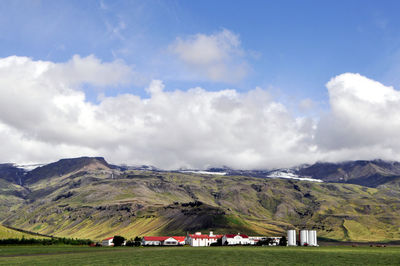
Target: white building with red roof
point(239, 239)
point(108, 242)
point(199, 240)
point(163, 240)
point(153, 240)
point(180, 239)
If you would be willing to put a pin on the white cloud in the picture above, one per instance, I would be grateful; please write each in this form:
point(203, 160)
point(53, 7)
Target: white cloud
point(91, 70)
point(364, 120)
point(218, 57)
point(44, 116)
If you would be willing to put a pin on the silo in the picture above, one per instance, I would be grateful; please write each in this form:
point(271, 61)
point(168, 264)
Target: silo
point(304, 237)
point(311, 237)
point(291, 237)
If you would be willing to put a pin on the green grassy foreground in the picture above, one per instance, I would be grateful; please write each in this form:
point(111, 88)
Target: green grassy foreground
point(69, 255)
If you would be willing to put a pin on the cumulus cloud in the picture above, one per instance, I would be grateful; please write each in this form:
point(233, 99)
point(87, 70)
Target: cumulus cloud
point(90, 70)
point(44, 116)
point(218, 57)
point(364, 120)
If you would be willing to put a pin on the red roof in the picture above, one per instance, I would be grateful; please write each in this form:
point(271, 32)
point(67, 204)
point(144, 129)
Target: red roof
point(205, 236)
point(155, 238)
point(109, 238)
point(179, 238)
point(232, 236)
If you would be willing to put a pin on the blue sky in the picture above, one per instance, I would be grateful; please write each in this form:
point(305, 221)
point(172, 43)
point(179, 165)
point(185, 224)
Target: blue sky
point(293, 46)
point(270, 76)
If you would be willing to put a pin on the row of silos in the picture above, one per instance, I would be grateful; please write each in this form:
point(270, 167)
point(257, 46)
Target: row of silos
point(306, 238)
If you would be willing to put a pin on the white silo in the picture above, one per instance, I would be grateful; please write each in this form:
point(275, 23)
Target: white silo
point(312, 237)
point(291, 238)
point(304, 237)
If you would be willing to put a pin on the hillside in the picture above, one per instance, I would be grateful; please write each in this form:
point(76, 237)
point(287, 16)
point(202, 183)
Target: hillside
point(95, 201)
point(65, 166)
point(11, 233)
point(11, 173)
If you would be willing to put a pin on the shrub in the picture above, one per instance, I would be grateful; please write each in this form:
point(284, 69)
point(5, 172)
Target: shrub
point(118, 241)
point(283, 241)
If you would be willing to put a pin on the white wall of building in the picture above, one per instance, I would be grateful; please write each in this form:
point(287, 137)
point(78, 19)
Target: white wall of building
point(107, 242)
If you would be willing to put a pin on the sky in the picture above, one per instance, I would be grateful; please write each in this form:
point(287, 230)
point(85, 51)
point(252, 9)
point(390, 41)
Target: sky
point(198, 84)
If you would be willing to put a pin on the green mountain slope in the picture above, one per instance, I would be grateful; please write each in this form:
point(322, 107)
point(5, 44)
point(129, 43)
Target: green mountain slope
point(11, 233)
point(89, 203)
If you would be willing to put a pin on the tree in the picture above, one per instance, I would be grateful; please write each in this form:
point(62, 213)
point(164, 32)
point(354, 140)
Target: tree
point(138, 241)
point(130, 243)
point(283, 241)
point(118, 241)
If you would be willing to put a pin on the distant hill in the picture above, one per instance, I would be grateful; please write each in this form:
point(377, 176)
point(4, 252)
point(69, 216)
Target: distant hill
point(365, 173)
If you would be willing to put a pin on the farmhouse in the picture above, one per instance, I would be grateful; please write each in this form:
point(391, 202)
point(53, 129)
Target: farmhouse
point(163, 240)
point(153, 240)
point(107, 242)
point(239, 239)
point(180, 239)
point(199, 240)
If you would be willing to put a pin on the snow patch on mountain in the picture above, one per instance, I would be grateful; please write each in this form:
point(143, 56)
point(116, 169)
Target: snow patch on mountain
point(28, 167)
point(287, 174)
point(202, 172)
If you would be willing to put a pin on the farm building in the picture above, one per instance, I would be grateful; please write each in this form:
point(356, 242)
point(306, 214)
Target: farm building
point(254, 239)
point(199, 240)
point(239, 239)
point(107, 242)
point(163, 240)
point(180, 239)
point(153, 240)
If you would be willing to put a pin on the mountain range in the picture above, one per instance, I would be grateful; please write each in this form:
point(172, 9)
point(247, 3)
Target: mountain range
point(89, 198)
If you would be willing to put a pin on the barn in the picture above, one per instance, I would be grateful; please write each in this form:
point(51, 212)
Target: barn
point(154, 240)
point(108, 242)
point(163, 240)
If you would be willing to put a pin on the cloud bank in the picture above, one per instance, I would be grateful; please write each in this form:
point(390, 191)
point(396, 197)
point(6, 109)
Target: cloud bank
point(44, 116)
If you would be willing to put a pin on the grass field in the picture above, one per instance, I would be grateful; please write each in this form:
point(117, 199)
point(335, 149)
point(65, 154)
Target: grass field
point(73, 255)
